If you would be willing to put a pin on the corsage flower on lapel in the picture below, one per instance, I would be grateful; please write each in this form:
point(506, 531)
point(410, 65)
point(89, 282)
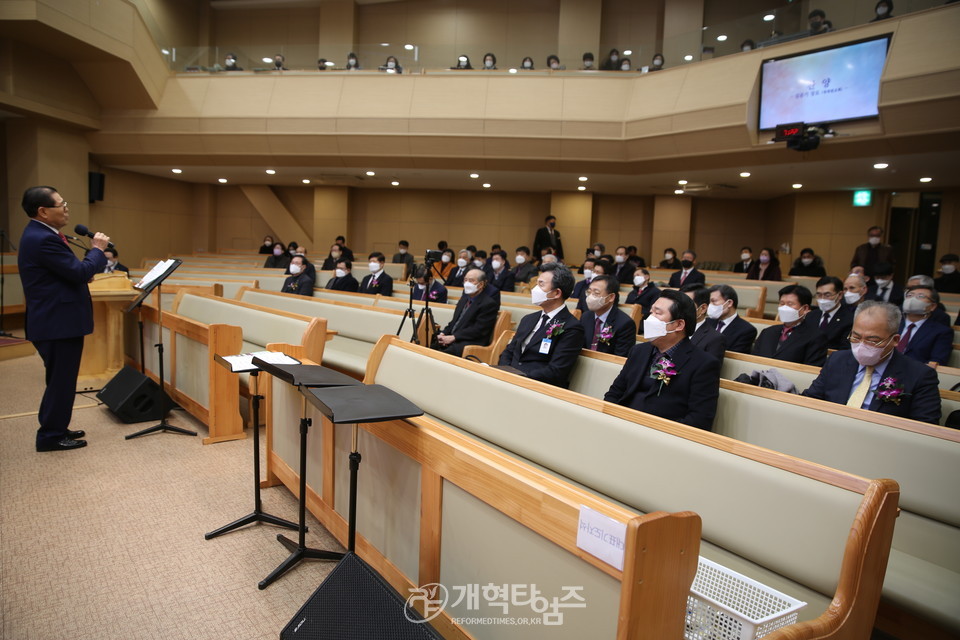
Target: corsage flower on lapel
point(554, 330)
point(890, 391)
point(663, 370)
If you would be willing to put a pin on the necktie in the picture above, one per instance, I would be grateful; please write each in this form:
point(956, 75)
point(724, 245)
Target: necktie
point(683, 277)
point(883, 294)
point(785, 333)
point(460, 318)
point(720, 326)
point(543, 317)
point(825, 321)
point(597, 328)
point(906, 339)
point(860, 393)
point(64, 238)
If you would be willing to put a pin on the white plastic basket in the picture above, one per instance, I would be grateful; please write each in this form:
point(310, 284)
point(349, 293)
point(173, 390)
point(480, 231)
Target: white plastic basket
point(725, 605)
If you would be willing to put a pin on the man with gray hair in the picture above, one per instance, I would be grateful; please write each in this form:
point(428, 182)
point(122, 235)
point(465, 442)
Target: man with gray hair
point(874, 375)
point(939, 315)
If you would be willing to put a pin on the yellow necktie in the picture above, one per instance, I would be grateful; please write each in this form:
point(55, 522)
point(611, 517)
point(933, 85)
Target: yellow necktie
point(860, 393)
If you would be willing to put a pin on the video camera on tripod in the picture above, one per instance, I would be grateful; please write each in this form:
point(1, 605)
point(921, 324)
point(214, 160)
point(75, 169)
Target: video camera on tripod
point(422, 271)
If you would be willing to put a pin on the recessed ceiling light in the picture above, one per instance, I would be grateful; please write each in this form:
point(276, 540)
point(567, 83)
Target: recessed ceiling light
point(271, 172)
point(474, 175)
point(384, 44)
point(177, 170)
point(688, 57)
point(721, 38)
point(581, 188)
point(679, 192)
point(371, 173)
point(267, 60)
point(797, 185)
point(744, 174)
point(769, 17)
point(305, 181)
point(222, 180)
point(628, 52)
point(513, 70)
point(926, 179)
point(881, 165)
point(165, 52)
point(330, 63)
point(681, 182)
point(395, 183)
point(408, 47)
point(582, 178)
point(486, 185)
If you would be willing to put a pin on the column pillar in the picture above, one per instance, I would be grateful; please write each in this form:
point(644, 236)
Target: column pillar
point(574, 212)
point(671, 225)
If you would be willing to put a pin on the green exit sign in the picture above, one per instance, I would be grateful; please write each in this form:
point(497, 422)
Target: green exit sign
point(862, 198)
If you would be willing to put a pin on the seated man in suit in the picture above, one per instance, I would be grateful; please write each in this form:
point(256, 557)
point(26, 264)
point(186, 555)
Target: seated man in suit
point(580, 289)
point(427, 287)
point(404, 257)
point(548, 342)
point(112, 263)
point(705, 336)
point(667, 376)
point(939, 314)
point(500, 275)
point(796, 340)
point(882, 288)
point(873, 375)
point(605, 328)
point(746, 261)
point(831, 317)
point(600, 268)
point(921, 339)
point(525, 268)
point(622, 267)
point(738, 333)
point(343, 279)
point(949, 280)
point(688, 273)
point(644, 292)
point(378, 281)
point(473, 319)
point(301, 278)
point(455, 279)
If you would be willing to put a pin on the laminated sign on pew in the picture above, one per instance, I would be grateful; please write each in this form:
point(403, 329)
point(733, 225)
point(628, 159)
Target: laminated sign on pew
point(602, 536)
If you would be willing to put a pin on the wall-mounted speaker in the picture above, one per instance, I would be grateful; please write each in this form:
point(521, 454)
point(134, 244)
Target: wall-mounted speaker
point(96, 181)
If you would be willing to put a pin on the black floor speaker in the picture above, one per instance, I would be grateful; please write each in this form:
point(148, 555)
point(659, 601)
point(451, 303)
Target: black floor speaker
point(133, 397)
point(356, 603)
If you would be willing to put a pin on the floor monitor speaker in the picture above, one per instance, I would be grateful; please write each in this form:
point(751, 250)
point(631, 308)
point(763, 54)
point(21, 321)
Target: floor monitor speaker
point(133, 397)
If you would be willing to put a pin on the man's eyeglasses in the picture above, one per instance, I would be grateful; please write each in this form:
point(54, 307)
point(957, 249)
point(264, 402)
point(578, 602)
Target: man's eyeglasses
point(57, 206)
point(855, 339)
point(918, 296)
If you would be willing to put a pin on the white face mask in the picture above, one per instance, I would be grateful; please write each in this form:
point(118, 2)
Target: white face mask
point(668, 256)
point(496, 264)
point(620, 259)
point(295, 269)
point(488, 64)
point(851, 297)
point(744, 256)
point(745, 47)
point(519, 259)
point(478, 263)
point(278, 251)
point(654, 328)
point(587, 64)
point(714, 311)
point(881, 282)
point(334, 254)
point(527, 64)
point(624, 67)
point(391, 65)
point(469, 288)
point(873, 240)
point(111, 263)
point(340, 273)
point(421, 286)
point(639, 280)
point(827, 304)
point(445, 258)
point(614, 57)
point(866, 354)
point(267, 243)
point(401, 251)
point(293, 252)
point(914, 306)
point(596, 253)
point(947, 269)
point(882, 10)
point(374, 267)
point(806, 261)
point(588, 274)
point(788, 314)
point(658, 62)
point(461, 263)
point(538, 296)
point(554, 65)
point(595, 303)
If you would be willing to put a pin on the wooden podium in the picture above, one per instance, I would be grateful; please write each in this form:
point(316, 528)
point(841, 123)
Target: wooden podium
point(103, 349)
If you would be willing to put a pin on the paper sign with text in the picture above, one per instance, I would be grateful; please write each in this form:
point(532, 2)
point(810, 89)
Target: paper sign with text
point(602, 536)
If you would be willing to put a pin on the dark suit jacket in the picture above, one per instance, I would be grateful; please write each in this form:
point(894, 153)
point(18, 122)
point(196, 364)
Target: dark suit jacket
point(931, 342)
point(624, 272)
point(694, 276)
point(438, 293)
point(118, 267)
point(346, 283)
point(806, 344)
point(644, 298)
point(739, 334)
point(580, 293)
point(690, 397)
point(405, 259)
point(300, 284)
point(455, 279)
point(739, 268)
point(277, 262)
point(504, 282)
point(948, 283)
point(543, 240)
point(54, 281)
point(837, 329)
point(896, 293)
point(921, 398)
point(384, 284)
point(708, 339)
point(867, 256)
point(524, 272)
point(473, 324)
point(624, 332)
point(553, 367)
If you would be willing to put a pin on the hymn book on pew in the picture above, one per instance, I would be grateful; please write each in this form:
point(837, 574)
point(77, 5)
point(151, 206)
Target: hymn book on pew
point(244, 361)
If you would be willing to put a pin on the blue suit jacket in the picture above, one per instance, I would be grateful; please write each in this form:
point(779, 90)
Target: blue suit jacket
point(384, 285)
point(738, 333)
point(932, 342)
point(553, 367)
point(54, 281)
point(921, 398)
point(690, 397)
point(438, 293)
point(624, 332)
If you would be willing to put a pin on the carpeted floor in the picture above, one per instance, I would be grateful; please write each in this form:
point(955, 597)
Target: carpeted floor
point(107, 542)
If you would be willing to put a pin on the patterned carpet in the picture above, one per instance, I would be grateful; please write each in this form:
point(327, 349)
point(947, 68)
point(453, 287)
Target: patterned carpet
point(107, 542)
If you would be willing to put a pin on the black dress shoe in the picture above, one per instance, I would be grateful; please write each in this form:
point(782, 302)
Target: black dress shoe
point(64, 445)
point(75, 435)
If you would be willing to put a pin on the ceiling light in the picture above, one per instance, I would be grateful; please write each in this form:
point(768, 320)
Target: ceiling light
point(330, 63)
point(797, 185)
point(881, 165)
point(628, 52)
point(305, 181)
point(165, 52)
point(474, 175)
point(581, 188)
point(582, 178)
point(681, 182)
point(384, 44)
point(769, 17)
point(371, 173)
point(486, 185)
point(222, 180)
point(688, 57)
point(744, 174)
point(408, 47)
point(926, 179)
point(271, 172)
point(679, 192)
point(177, 170)
point(267, 60)
point(395, 183)
point(721, 38)
point(513, 70)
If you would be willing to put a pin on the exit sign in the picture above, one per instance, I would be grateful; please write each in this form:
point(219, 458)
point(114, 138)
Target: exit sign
point(862, 198)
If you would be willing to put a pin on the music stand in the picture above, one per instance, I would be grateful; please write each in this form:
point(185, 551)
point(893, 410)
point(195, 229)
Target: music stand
point(151, 281)
point(302, 376)
point(258, 514)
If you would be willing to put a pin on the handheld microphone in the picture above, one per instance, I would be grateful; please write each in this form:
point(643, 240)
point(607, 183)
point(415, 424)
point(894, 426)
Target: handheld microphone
point(82, 230)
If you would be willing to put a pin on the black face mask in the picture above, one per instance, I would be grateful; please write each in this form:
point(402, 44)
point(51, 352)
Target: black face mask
point(552, 225)
point(686, 264)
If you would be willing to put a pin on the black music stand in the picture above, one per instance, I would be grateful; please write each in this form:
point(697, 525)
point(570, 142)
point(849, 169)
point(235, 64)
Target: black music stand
point(302, 376)
point(147, 287)
point(258, 514)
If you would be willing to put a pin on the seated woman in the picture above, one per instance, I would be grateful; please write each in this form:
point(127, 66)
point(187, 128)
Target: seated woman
point(392, 65)
point(489, 62)
point(767, 267)
point(463, 62)
point(267, 247)
point(330, 262)
point(612, 61)
point(669, 259)
point(527, 64)
point(553, 63)
point(280, 258)
point(300, 281)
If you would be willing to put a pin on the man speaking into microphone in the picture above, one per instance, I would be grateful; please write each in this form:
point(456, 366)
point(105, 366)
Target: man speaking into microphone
point(59, 311)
